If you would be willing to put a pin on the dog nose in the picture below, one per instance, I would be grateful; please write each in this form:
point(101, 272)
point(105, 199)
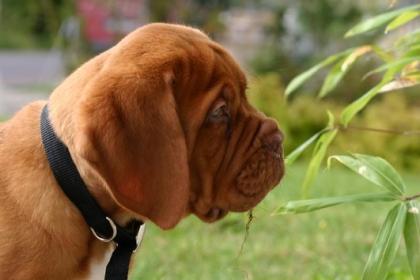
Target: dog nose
point(271, 136)
point(273, 141)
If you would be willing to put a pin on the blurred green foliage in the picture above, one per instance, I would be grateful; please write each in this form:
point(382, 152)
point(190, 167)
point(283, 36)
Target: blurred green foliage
point(31, 24)
point(324, 19)
point(35, 24)
point(302, 117)
point(392, 115)
point(202, 13)
point(299, 118)
point(392, 112)
point(302, 32)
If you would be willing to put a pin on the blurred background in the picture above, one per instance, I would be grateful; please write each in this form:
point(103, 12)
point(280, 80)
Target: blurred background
point(41, 42)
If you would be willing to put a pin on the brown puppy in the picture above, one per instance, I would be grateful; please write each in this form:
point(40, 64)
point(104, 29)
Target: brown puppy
point(158, 126)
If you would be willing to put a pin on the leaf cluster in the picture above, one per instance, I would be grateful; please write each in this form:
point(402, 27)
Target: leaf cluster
point(400, 69)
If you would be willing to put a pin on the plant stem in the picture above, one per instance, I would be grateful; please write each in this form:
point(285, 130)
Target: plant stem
point(247, 227)
point(381, 130)
point(413, 197)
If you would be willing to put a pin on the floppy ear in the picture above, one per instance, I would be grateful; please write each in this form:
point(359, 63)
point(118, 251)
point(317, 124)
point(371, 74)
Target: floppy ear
point(130, 133)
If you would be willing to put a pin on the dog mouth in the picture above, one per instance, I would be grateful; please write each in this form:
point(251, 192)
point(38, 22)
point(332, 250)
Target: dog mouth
point(210, 215)
point(276, 154)
point(262, 171)
point(214, 214)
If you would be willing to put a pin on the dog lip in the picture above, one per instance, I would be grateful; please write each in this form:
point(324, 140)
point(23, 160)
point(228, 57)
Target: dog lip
point(210, 214)
point(249, 194)
point(277, 155)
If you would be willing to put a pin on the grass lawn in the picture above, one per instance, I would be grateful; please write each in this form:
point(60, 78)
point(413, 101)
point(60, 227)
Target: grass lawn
point(333, 243)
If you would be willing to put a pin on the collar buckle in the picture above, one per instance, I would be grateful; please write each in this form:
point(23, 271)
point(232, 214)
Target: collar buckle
point(106, 239)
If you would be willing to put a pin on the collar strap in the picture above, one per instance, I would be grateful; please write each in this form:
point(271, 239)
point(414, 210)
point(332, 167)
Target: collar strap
point(103, 228)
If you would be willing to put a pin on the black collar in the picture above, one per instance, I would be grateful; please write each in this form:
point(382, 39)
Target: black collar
point(103, 228)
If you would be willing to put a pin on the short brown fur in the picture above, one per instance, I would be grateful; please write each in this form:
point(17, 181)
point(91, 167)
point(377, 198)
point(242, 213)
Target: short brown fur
point(136, 121)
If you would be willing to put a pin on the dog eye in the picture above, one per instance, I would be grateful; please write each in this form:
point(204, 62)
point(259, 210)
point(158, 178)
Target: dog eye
point(219, 112)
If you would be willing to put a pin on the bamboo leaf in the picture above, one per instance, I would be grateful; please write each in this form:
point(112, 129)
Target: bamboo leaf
point(331, 120)
point(382, 54)
point(335, 75)
point(351, 110)
point(357, 53)
point(408, 39)
point(303, 77)
point(293, 156)
point(412, 68)
point(303, 206)
point(395, 66)
point(401, 20)
point(413, 51)
point(376, 170)
point(386, 245)
point(377, 21)
point(320, 152)
point(400, 83)
point(392, 179)
point(412, 237)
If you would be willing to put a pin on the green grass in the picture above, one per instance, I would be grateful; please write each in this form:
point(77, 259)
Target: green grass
point(332, 243)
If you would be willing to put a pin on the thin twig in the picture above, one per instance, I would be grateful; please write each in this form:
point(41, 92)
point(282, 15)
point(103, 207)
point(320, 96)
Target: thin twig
point(413, 197)
point(382, 130)
point(247, 227)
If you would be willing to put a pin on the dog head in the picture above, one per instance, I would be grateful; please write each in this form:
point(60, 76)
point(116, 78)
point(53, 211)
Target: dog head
point(163, 119)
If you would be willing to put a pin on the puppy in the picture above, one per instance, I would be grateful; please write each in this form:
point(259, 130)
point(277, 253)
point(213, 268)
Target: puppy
point(158, 126)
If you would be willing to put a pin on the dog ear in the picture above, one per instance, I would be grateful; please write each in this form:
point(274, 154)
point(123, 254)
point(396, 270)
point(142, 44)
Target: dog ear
point(130, 133)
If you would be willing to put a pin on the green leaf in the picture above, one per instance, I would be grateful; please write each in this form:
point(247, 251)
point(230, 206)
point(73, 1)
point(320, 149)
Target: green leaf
point(335, 75)
point(319, 154)
point(413, 51)
point(408, 39)
point(382, 54)
point(386, 245)
point(401, 20)
point(394, 66)
point(303, 206)
point(411, 69)
point(376, 170)
point(401, 83)
point(386, 174)
point(357, 53)
point(291, 158)
point(303, 77)
point(414, 76)
point(377, 21)
point(351, 110)
point(331, 120)
point(412, 237)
